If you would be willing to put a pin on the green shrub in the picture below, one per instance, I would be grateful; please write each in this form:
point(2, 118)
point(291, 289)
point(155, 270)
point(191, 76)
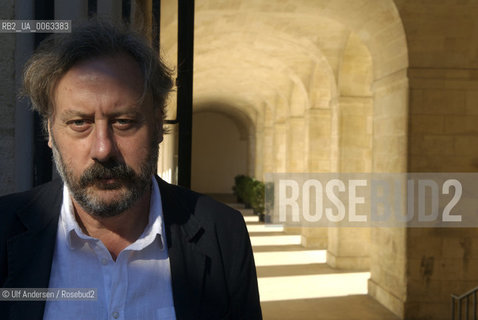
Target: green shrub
point(257, 201)
point(240, 184)
point(250, 192)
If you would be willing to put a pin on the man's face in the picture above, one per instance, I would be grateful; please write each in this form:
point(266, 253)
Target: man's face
point(104, 139)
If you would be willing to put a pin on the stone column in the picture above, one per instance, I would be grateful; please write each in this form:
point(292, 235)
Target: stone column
point(251, 151)
point(259, 158)
point(388, 282)
point(268, 150)
point(317, 137)
point(265, 141)
point(318, 131)
point(280, 157)
point(356, 127)
point(349, 247)
point(280, 147)
point(295, 161)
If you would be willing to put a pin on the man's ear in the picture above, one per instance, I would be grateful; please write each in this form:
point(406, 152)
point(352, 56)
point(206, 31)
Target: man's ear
point(50, 144)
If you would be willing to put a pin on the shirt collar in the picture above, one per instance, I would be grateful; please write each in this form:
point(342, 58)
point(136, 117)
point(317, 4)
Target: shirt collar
point(75, 237)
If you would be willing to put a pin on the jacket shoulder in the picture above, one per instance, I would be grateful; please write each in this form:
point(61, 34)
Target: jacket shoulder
point(203, 227)
point(204, 208)
point(18, 200)
point(11, 204)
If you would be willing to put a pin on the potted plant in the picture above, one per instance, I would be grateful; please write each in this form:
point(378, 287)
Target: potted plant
point(257, 201)
point(239, 187)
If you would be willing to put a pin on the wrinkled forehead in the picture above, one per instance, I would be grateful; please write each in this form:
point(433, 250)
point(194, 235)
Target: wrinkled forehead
point(119, 67)
point(117, 75)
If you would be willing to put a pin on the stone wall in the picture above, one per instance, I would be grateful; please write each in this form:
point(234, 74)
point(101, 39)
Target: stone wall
point(443, 120)
point(7, 102)
point(441, 262)
point(443, 137)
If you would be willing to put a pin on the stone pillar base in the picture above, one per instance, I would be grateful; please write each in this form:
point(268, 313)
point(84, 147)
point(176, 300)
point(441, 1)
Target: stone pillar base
point(388, 300)
point(316, 238)
point(348, 263)
point(313, 242)
point(293, 230)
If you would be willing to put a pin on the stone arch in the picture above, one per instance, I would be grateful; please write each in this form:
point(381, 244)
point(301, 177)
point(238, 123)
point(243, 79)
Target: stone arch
point(289, 94)
point(356, 107)
point(241, 116)
point(214, 115)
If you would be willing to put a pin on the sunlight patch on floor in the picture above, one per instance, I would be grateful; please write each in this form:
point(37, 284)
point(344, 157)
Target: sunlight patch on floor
point(313, 286)
point(284, 258)
point(251, 218)
point(284, 240)
point(264, 228)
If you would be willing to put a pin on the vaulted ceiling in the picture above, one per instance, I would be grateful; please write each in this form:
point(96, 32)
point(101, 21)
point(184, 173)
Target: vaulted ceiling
point(284, 57)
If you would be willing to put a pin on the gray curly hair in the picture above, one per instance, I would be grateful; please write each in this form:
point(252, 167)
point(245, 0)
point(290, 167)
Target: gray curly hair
point(59, 52)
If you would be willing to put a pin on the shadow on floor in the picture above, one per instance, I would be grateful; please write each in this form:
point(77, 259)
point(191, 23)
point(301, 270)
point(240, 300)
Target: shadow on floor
point(294, 270)
point(286, 270)
point(356, 307)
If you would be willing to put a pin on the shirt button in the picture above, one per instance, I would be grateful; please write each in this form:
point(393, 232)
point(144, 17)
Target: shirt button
point(104, 261)
point(115, 315)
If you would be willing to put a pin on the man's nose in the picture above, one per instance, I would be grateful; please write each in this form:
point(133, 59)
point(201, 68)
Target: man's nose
point(103, 146)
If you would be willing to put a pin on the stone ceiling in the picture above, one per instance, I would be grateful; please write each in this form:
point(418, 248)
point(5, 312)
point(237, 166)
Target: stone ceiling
point(284, 57)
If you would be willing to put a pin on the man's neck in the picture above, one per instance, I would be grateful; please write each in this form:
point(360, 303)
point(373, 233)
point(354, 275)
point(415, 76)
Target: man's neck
point(117, 232)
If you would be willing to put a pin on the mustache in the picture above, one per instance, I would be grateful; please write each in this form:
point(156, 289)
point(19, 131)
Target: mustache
point(109, 170)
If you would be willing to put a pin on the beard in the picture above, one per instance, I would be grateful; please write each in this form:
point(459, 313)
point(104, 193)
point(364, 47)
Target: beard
point(95, 180)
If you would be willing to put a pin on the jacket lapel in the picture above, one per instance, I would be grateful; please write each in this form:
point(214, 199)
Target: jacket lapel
point(187, 256)
point(30, 253)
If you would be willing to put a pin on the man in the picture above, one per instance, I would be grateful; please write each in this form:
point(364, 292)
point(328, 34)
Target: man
point(152, 250)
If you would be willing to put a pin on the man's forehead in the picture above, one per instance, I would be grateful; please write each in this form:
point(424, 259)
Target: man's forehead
point(112, 77)
point(132, 110)
point(121, 66)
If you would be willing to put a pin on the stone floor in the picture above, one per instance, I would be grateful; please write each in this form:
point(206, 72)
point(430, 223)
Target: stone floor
point(296, 283)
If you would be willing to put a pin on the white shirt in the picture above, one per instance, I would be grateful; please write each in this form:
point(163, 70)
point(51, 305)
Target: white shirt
point(135, 286)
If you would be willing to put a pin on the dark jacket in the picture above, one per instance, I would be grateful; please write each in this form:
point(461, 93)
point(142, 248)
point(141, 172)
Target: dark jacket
point(212, 266)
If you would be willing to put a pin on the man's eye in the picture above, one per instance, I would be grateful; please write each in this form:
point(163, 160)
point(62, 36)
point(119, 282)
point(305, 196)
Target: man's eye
point(79, 124)
point(123, 123)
